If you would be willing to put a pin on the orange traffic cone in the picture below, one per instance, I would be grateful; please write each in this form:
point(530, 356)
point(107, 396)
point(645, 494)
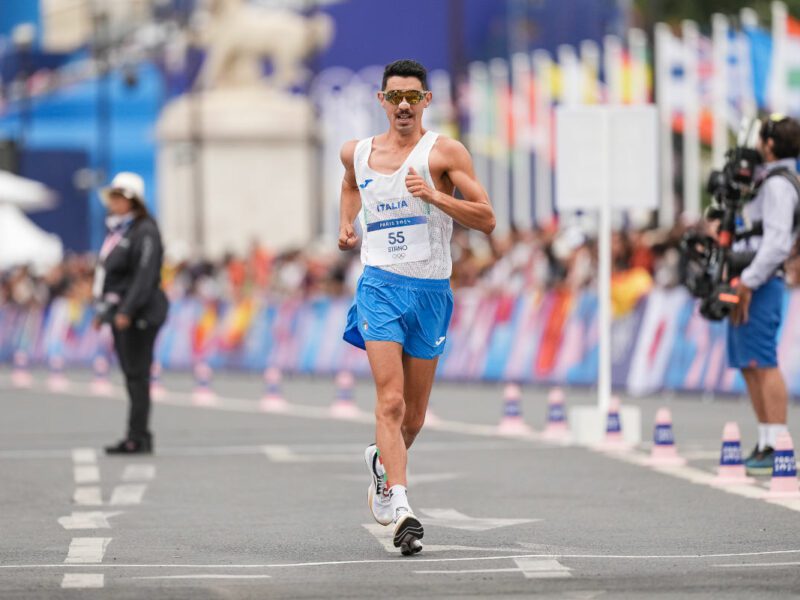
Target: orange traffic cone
point(273, 400)
point(731, 469)
point(512, 422)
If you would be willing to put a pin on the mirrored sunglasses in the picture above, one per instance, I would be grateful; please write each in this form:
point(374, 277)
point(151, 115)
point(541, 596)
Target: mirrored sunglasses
point(411, 96)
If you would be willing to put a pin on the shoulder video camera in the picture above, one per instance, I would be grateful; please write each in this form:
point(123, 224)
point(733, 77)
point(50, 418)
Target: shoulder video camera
point(709, 266)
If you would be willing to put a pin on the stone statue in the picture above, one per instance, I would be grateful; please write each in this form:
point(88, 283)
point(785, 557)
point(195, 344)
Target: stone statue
point(252, 169)
point(240, 36)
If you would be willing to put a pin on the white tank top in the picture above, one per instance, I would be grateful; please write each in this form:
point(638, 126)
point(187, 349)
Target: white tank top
point(385, 197)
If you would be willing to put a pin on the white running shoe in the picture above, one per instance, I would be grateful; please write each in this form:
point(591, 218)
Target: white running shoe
point(408, 532)
point(377, 495)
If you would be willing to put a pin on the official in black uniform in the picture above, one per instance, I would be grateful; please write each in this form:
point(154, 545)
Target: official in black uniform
point(128, 294)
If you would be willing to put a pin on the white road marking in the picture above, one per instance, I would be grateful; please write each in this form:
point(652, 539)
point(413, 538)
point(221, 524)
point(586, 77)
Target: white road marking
point(84, 456)
point(128, 494)
point(87, 520)
point(139, 473)
point(464, 571)
point(700, 454)
point(413, 478)
point(323, 413)
point(83, 580)
point(87, 496)
point(385, 536)
point(284, 454)
point(531, 568)
point(206, 576)
point(87, 550)
point(86, 474)
point(449, 517)
point(352, 449)
point(759, 565)
point(395, 561)
point(542, 568)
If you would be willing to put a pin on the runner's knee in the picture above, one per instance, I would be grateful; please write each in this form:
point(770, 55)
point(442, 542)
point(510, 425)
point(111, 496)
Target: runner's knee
point(414, 420)
point(390, 407)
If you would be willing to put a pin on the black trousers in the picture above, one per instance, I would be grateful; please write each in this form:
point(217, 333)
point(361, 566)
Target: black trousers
point(134, 348)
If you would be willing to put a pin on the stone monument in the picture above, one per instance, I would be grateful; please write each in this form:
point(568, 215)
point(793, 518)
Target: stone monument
point(236, 155)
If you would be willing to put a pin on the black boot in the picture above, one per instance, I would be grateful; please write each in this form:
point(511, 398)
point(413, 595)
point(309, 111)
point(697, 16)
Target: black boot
point(132, 446)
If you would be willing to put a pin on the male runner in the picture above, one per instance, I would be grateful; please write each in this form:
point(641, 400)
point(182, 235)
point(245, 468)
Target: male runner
point(400, 184)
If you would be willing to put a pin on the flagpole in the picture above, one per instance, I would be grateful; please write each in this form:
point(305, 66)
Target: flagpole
point(543, 183)
point(590, 72)
point(663, 40)
point(477, 133)
point(521, 157)
point(637, 49)
point(500, 192)
point(612, 69)
point(778, 77)
point(719, 88)
point(691, 122)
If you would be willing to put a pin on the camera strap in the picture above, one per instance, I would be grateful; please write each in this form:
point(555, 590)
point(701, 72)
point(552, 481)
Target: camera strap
point(791, 177)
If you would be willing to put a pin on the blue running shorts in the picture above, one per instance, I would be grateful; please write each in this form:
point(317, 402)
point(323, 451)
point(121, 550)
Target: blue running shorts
point(388, 307)
point(755, 343)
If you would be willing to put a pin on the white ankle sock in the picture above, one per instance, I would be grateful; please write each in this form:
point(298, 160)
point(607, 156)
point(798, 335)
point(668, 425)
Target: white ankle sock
point(399, 496)
point(762, 436)
point(773, 430)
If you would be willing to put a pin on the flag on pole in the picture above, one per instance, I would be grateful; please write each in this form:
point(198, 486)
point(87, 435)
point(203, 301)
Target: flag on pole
point(590, 72)
point(792, 66)
point(637, 82)
point(741, 88)
point(613, 70)
point(760, 43)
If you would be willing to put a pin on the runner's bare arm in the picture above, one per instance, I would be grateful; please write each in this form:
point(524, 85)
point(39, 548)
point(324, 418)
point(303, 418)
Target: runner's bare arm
point(350, 199)
point(474, 211)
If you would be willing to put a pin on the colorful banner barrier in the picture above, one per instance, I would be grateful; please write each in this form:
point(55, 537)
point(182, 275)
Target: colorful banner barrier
point(544, 338)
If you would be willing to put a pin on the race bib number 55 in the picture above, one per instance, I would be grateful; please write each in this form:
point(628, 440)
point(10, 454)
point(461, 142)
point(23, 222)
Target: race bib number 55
point(397, 241)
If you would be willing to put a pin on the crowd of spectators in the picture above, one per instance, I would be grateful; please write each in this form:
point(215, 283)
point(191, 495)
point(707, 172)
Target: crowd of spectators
point(520, 262)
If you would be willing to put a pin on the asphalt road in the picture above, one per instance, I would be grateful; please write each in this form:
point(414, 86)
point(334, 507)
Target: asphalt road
point(239, 503)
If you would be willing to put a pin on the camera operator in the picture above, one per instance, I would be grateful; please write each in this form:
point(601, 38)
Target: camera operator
point(755, 320)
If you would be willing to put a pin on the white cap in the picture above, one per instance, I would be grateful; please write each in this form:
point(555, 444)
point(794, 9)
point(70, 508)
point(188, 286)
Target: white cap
point(128, 184)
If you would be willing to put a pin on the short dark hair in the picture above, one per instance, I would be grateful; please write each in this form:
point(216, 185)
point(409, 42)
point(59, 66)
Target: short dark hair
point(405, 68)
point(785, 135)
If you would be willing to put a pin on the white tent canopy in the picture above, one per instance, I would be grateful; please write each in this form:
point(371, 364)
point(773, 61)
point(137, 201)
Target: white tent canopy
point(25, 193)
point(23, 243)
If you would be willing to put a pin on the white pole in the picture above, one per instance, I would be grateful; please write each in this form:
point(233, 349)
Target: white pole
point(604, 281)
point(691, 122)
point(663, 42)
point(500, 193)
point(543, 197)
point(521, 161)
point(612, 67)
point(719, 88)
